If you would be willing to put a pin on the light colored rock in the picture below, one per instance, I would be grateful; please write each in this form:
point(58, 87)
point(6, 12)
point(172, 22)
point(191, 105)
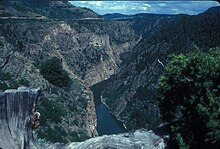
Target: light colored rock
point(140, 139)
point(15, 125)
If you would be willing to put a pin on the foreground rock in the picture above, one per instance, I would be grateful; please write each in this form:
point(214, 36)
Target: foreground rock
point(15, 118)
point(139, 139)
point(16, 108)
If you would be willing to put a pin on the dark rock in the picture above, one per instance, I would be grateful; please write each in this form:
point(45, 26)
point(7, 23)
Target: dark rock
point(131, 93)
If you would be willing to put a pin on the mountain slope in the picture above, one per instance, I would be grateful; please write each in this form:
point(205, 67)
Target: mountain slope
point(25, 45)
point(89, 50)
point(131, 93)
point(92, 49)
point(116, 16)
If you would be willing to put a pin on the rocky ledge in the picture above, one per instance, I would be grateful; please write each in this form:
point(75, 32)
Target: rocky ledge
point(140, 139)
point(16, 114)
point(15, 118)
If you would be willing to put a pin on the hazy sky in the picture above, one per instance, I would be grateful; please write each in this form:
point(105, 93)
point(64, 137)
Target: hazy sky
point(133, 7)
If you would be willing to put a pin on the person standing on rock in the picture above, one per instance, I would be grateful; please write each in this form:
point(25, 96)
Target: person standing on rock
point(35, 120)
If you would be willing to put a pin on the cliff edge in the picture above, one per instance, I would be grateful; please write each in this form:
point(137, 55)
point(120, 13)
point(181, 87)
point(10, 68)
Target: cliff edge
point(15, 118)
point(17, 108)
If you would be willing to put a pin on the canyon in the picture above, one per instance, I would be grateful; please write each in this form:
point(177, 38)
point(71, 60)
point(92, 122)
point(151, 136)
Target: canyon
point(122, 56)
point(16, 120)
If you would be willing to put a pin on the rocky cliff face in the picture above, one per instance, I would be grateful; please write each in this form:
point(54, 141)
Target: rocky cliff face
point(16, 132)
point(89, 50)
point(73, 101)
point(131, 93)
point(23, 51)
point(91, 47)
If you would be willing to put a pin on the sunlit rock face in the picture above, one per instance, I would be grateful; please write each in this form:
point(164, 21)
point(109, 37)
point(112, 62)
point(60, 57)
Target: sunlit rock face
point(15, 118)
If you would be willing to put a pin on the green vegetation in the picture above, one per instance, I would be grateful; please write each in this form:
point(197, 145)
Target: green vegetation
point(190, 97)
point(3, 78)
point(5, 14)
point(4, 75)
point(79, 136)
point(202, 30)
point(141, 63)
point(52, 112)
point(55, 134)
point(4, 86)
point(52, 71)
point(142, 109)
point(24, 82)
point(39, 141)
point(7, 82)
point(112, 96)
point(1, 44)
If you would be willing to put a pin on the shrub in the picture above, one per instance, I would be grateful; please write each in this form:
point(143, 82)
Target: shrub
point(79, 136)
point(142, 109)
point(3, 86)
point(53, 72)
point(52, 112)
point(1, 44)
point(24, 82)
point(4, 75)
point(190, 95)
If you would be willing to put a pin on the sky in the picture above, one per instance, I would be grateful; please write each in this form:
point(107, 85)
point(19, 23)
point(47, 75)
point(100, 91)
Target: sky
point(158, 7)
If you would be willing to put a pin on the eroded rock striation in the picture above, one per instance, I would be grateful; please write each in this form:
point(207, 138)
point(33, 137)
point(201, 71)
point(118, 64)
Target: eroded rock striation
point(15, 118)
point(139, 139)
point(16, 133)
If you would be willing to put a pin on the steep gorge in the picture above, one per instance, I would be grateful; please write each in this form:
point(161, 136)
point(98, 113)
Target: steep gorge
point(124, 52)
point(16, 115)
point(131, 93)
point(90, 51)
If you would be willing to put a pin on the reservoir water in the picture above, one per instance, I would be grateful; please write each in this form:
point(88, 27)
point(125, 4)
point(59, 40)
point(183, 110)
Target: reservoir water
point(106, 122)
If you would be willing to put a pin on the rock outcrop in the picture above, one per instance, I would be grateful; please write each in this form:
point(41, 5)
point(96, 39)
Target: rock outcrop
point(16, 133)
point(139, 139)
point(15, 118)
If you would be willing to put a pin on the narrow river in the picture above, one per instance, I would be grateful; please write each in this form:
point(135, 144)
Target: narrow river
point(106, 122)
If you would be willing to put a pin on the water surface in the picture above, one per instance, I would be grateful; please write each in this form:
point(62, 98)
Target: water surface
point(106, 122)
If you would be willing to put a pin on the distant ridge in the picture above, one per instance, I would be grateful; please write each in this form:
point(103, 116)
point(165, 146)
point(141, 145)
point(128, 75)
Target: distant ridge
point(49, 9)
point(116, 16)
point(215, 10)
